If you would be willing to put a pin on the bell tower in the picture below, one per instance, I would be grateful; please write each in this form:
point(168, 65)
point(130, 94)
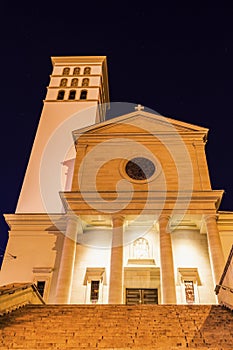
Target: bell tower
point(77, 97)
point(79, 81)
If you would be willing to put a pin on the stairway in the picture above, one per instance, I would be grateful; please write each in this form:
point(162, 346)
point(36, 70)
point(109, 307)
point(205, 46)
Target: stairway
point(120, 327)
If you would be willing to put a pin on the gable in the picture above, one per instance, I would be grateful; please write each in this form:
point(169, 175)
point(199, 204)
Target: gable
point(141, 123)
point(176, 149)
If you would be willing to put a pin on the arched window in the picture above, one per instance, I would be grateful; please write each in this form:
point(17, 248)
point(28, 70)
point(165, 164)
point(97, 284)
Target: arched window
point(60, 95)
point(63, 82)
point(76, 71)
point(87, 70)
point(66, 71)
point(72, 95)
point(74, 82)
point(141, 249)
point(83, 95)
point(85, 82)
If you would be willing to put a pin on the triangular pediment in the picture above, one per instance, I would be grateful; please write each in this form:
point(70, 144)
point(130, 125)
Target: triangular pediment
point(140, 122)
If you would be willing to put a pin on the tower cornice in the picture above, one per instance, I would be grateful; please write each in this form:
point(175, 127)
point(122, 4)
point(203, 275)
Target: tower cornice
point(78, 59)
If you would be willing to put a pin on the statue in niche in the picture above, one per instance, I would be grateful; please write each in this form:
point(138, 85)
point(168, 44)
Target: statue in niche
point(141, 249)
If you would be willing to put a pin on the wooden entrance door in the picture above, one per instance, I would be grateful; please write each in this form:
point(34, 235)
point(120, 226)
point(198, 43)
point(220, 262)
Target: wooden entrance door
point(141, 296)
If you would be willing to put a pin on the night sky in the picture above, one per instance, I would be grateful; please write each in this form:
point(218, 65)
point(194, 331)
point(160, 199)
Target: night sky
point(175, 57)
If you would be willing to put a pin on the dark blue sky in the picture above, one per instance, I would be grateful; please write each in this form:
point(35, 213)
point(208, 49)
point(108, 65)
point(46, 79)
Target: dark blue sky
point(175, 57)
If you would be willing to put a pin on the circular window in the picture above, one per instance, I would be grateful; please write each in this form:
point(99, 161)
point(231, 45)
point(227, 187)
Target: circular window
point(140, 168)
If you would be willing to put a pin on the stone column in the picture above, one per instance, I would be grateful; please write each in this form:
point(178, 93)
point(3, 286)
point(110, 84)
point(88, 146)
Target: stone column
point(166, 261)
point(116, 265)
point(215, 246)
point(65, 276)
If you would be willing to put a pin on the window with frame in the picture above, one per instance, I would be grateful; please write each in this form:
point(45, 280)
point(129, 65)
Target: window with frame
point(95, 278)
point(87, 70)
point(41, 287)
point(63, 82)
point(74, 82)
point(61, 95)
point(140, 168)
point(85, 82)
point(66, 71)
point(83, 95)
point(141, 248)
point(189, 281)
point(95, 286)
point(76, 71)
point(72, 94)
point(189, 292)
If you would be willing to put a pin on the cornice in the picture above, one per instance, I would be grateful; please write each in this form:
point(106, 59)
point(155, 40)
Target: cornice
point(77, 59)
point(225, 221)
point(37, 222)
point(168, 127)
point(198, 202)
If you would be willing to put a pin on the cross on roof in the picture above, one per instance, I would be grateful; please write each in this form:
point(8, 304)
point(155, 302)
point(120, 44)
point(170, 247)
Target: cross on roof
point(139, 108)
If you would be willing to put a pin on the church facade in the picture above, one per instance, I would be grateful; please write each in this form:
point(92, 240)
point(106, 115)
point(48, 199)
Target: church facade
point(117, 211)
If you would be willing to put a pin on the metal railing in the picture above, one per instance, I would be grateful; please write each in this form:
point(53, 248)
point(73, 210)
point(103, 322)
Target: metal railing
point(223, 289)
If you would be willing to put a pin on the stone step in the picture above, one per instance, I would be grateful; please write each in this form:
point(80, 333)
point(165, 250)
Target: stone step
point(109, 327)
